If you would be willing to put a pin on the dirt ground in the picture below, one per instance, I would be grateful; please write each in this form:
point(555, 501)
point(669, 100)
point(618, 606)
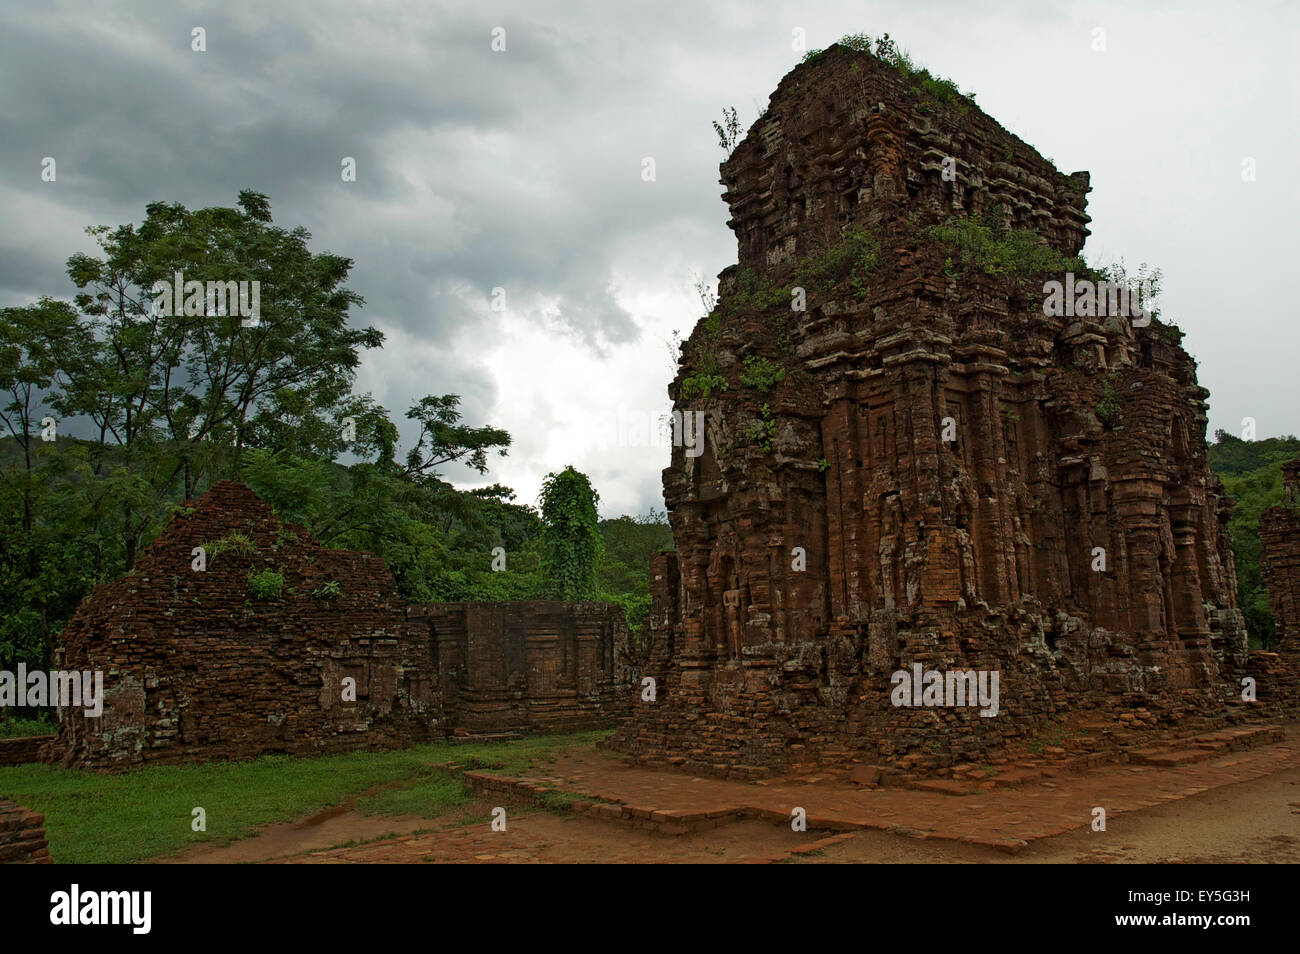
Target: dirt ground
point(1256, 821)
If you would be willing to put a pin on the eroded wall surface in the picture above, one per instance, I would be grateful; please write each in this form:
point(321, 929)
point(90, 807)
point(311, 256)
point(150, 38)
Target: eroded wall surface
point(528, 665)
point(197, 667)
point(934, 474)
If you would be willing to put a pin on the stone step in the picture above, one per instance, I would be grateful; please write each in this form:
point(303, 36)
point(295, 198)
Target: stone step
point(1164, 753)
point(1171, 758)
point(469, 738)
point(945, 786)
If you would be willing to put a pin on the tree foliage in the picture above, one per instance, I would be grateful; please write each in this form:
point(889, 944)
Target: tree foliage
point(622, 576)
point(572, 537)
point(165, 402)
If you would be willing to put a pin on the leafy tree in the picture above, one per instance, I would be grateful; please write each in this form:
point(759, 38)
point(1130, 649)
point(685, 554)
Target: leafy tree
point(30, 339)
point(443, 439)
point(179, 392)
point(572, 537)
point(1231, 456)
point(623, 573)
point(46, 565)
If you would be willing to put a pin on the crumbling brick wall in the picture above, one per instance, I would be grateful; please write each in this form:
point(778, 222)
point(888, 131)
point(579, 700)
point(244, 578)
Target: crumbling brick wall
point(16, 751)
point(931, 476)
point(1278, 673)
point(196, 667)
point(22, 835)
point(529, 665)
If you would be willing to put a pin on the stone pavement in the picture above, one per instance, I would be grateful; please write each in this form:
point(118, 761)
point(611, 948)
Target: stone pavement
point(620, 813)
point(535, 836)
point(1004, 818)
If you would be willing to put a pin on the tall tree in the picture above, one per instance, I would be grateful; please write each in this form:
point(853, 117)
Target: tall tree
point(572, 535)
point(179, 391)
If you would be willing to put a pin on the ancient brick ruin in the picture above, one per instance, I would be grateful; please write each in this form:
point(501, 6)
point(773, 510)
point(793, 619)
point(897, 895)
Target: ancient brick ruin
point(22, 835)
point(921, 467)
point(1279, 535)
point(196, 666)
point(543, 665)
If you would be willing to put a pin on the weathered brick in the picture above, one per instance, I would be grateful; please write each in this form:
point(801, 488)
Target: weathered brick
point(22, 835)
point(968, 550)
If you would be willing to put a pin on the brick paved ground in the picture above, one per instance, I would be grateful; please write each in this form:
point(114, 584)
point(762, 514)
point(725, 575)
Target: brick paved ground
point(1007, 818)
point(626, 812)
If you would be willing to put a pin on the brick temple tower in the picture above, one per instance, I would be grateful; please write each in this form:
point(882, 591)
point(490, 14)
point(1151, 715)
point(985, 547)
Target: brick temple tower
point(922, 465)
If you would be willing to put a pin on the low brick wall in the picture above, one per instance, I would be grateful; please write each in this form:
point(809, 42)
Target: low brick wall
point(22, 835)
point(22, 750)
point(538, 665)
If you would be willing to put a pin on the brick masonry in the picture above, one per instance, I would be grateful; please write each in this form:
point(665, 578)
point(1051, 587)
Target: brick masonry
point(16, 751)
point(541, 665)
point(22, 835)
point(196, 667)
point(1278, 673)
point(968, 553)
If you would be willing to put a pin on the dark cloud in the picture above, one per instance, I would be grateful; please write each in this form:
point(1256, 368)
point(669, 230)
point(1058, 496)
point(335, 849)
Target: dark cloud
point(522, 170)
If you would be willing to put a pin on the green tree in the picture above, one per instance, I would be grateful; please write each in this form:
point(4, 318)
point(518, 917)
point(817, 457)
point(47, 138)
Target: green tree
point(46, 566)
point(178, 393)
point(572, 536)
point(623, 573)
point(176, 397)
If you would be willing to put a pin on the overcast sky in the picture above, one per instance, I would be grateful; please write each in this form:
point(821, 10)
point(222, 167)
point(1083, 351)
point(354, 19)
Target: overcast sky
point(522, 170)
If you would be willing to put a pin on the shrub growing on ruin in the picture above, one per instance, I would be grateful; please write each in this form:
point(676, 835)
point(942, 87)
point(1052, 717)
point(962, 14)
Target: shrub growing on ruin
point(764, 432)
point(703, 381)
point(231, 543)
point(330, 590)
point(761, 374)
point(1020, 253)
point(852, 258)
point(728, 130)
point(1109, 408)
point(265, 584)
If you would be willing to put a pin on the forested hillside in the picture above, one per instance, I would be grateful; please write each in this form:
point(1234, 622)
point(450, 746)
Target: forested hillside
point(1251, 472)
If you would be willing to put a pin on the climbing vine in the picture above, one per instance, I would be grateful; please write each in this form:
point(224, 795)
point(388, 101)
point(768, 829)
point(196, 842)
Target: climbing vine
point(571, 536)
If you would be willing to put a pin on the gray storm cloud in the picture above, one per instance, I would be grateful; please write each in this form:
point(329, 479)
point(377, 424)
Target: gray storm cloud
point(521, 169)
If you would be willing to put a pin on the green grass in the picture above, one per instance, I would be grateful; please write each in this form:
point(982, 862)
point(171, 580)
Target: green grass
point(438, 792)
point(140, 814)
point(559, 800)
